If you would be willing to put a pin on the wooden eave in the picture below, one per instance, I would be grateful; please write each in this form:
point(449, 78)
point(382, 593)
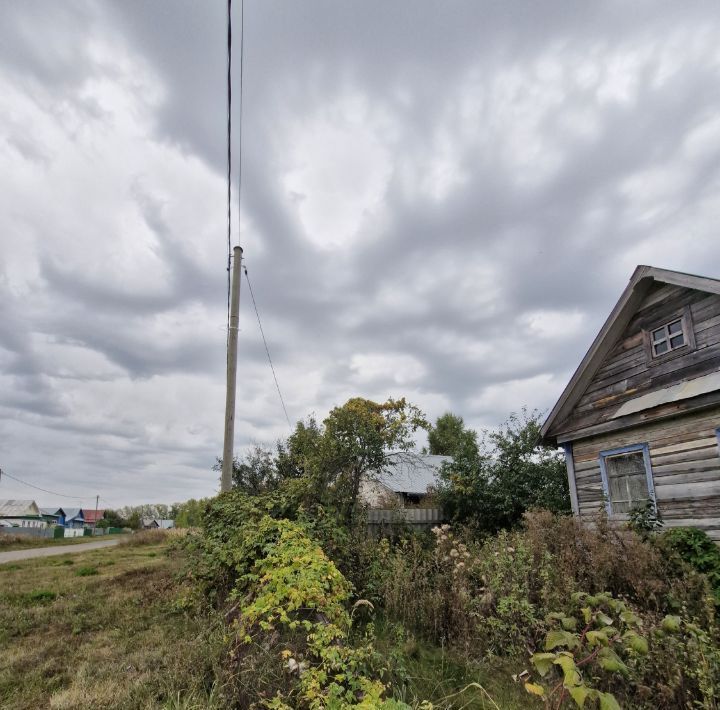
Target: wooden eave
point(640, 283)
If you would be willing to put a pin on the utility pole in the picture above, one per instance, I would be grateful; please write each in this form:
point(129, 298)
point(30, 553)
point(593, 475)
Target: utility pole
point(97, 500)
point(227, 459)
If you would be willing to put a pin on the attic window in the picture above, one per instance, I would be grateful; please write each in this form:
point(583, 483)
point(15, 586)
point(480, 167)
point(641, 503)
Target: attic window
point(672, 338)
point(668, 337)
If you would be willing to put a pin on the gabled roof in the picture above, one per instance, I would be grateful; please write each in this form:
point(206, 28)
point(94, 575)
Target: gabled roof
point(90, 515)
point(72, 513)
point(18, 508)
point(631, 298)
point(52, 511)
point(412, 473)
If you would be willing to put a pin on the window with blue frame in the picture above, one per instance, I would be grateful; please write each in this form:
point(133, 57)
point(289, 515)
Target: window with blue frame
point(627, 478)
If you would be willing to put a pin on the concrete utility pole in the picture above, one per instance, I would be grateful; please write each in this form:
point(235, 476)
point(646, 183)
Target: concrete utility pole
point(227, 459)
point(97, 500)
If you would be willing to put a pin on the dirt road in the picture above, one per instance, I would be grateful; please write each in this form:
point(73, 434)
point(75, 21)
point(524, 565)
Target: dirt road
point(31, 552)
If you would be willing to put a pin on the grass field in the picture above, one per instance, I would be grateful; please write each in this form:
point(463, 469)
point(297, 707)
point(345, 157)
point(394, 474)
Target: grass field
point(23, 542)
point(102, 629)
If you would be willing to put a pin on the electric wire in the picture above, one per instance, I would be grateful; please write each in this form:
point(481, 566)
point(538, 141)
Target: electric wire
point(267, 351)
point(44, 490)
point(240, 112)
point(229, 157)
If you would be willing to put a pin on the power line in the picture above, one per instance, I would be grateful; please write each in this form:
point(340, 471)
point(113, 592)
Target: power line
point(229, 154)
point(44, 490)
point(240, 112)
point(267, 351)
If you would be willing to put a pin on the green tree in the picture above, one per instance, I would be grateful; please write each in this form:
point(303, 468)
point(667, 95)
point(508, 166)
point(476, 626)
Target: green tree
point(358, 440)
point(449, 437)
point(189, 514)
point(511, 474)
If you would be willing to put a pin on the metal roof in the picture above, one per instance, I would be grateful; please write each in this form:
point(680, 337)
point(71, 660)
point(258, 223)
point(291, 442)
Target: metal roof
point(18, 509)
point(412, 473)
point(71, 513)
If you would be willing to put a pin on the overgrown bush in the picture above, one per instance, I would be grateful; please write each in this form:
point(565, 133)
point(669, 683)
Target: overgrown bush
point(697, 549)
point(287, 608)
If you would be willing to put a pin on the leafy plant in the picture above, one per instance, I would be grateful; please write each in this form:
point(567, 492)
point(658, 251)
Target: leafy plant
point(604, 636)
point(697, 549)
point(646, 519)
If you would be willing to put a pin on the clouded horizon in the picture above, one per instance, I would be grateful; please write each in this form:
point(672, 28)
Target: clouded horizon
point(440, 200)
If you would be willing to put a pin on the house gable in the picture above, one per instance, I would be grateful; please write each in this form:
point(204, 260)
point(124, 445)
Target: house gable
point(620, 368)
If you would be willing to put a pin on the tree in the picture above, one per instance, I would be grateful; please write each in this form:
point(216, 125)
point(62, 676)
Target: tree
point(511, 474)
point(358, 440)
point(449, 437)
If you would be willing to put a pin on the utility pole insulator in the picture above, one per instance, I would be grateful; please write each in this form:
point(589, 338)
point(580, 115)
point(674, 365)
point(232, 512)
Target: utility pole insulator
point(227, 459)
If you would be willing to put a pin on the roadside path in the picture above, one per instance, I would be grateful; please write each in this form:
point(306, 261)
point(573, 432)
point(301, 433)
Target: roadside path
point(16, 555)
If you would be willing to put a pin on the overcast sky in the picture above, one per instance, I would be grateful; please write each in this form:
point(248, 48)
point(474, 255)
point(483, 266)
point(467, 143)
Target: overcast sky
point(441, 200)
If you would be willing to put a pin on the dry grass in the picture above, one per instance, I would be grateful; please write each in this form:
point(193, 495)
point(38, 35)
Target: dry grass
point(153, 537)
point(113, 639)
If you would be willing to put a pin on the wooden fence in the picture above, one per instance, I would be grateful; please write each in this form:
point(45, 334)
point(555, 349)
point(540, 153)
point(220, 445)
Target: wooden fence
point(418, 518)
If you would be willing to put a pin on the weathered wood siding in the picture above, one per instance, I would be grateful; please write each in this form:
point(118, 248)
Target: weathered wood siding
point(685, 461)
point(626, 372)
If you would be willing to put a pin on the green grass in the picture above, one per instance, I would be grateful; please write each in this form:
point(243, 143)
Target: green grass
point(116, 638)
point(422, 672)
point(8, 543)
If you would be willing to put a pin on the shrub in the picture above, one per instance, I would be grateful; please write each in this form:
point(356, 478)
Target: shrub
point(697, 549)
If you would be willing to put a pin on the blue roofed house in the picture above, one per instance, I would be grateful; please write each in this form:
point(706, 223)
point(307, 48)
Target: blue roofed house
point(53, 516)
point(74, 518)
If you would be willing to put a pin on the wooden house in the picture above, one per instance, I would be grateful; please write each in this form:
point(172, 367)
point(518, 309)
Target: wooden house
point(21, 514)
point(407, 480)
point(639, 420)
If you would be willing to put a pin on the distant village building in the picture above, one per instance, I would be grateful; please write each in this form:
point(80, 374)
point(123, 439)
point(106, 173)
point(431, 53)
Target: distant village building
point(157, 523)
point(92, 517)
point(53, 516)
point(21, 514)
point(406, 481)
point(640, 418)
point(74, 518)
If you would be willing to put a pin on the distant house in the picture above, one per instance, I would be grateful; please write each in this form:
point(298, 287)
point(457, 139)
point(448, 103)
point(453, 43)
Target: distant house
point(53, 516)
point(640, 418)
point(74, 518)
point(155, 523)
point(21, 514)
point(406, 481)
point(92, 517)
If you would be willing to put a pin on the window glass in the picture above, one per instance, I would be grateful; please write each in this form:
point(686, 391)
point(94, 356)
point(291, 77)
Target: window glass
point(661, 348)
point(659, 334)
point(675, 327)
point(627, 481)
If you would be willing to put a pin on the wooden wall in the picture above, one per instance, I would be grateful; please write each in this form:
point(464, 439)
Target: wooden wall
point(685, 460)
point(626, 372)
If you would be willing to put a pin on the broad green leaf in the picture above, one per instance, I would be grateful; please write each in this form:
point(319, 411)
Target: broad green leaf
point(608, 702)
point(571, 676)
point(596, 638)
point(610, 661)
point(604, 619)
point(561, 638)
point(579, 694)
point(535, 689)
point(636, 642)
point(587, 614)
point(671, 624)
point(569, 623)
point(543, 662)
